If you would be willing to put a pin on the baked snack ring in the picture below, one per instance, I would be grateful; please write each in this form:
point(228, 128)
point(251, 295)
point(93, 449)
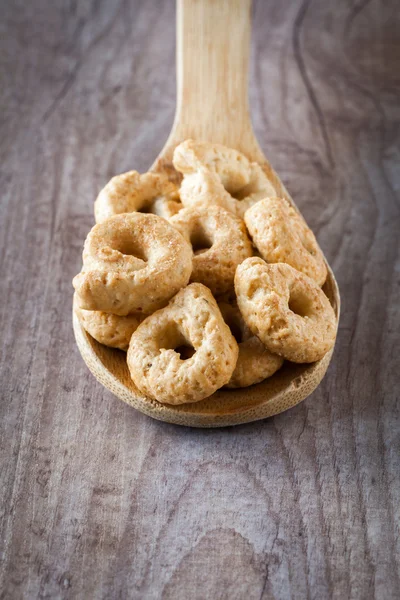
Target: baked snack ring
point(215, 174)
point(192, 318)
point(231, 166)
point(108, 329)
point(220, 243)
point(255, 363)
point(282, 236)
point(132, 262)
point(286, 309)
point(133, 192)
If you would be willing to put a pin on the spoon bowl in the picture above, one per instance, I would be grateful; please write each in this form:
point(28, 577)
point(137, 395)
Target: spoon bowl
point(213, 42)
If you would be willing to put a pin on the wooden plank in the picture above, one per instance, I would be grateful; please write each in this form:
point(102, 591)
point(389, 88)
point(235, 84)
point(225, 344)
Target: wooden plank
point(98, 501)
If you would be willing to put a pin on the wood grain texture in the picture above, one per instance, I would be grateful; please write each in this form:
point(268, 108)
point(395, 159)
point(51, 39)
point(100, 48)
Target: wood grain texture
point(99, 501)
point(212, 75)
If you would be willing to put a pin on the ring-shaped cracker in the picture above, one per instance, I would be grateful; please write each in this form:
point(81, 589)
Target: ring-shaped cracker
point(132, 262)
point(108, 329)
point(156, 357)
point(220, 243)
point(280, 234)
point(231, 166)
point(215, 174)
point(286, 309)
point(255, 363)
point(133, 192)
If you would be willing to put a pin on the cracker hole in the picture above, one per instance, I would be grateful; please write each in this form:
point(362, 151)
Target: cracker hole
point(251, 188)
point(200, 240)
point(238, 194)
point(299, 304)
point(130, 247)
point(171, 338)
point(185, 351)
point(148, 207)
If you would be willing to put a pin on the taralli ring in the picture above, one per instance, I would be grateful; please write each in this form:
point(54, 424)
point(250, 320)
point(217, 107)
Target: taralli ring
point(132, 263)
point(110, 330)
point(132, 192)
point(282, 236)
point(231, 166)
point(286, 309)
point(184, 352)
point(220, 243)
point(215, 174)
point(255, 363)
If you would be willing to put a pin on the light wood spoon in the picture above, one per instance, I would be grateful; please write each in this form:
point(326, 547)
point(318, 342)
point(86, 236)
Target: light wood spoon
point(213, 44)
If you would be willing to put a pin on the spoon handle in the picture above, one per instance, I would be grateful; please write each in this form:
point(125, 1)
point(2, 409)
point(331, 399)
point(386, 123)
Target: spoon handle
point(213, 46)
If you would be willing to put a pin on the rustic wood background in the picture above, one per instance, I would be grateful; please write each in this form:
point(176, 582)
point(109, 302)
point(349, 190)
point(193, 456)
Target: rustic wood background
point(99, 501)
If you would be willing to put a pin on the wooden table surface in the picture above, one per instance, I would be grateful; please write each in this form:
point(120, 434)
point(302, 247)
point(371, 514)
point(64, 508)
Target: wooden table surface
point(99, 501)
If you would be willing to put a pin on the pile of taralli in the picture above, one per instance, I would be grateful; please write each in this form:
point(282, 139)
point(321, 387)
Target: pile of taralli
point(208, 284)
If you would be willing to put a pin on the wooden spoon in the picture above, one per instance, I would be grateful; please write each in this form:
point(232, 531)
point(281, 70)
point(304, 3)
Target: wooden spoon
point(213, 41)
